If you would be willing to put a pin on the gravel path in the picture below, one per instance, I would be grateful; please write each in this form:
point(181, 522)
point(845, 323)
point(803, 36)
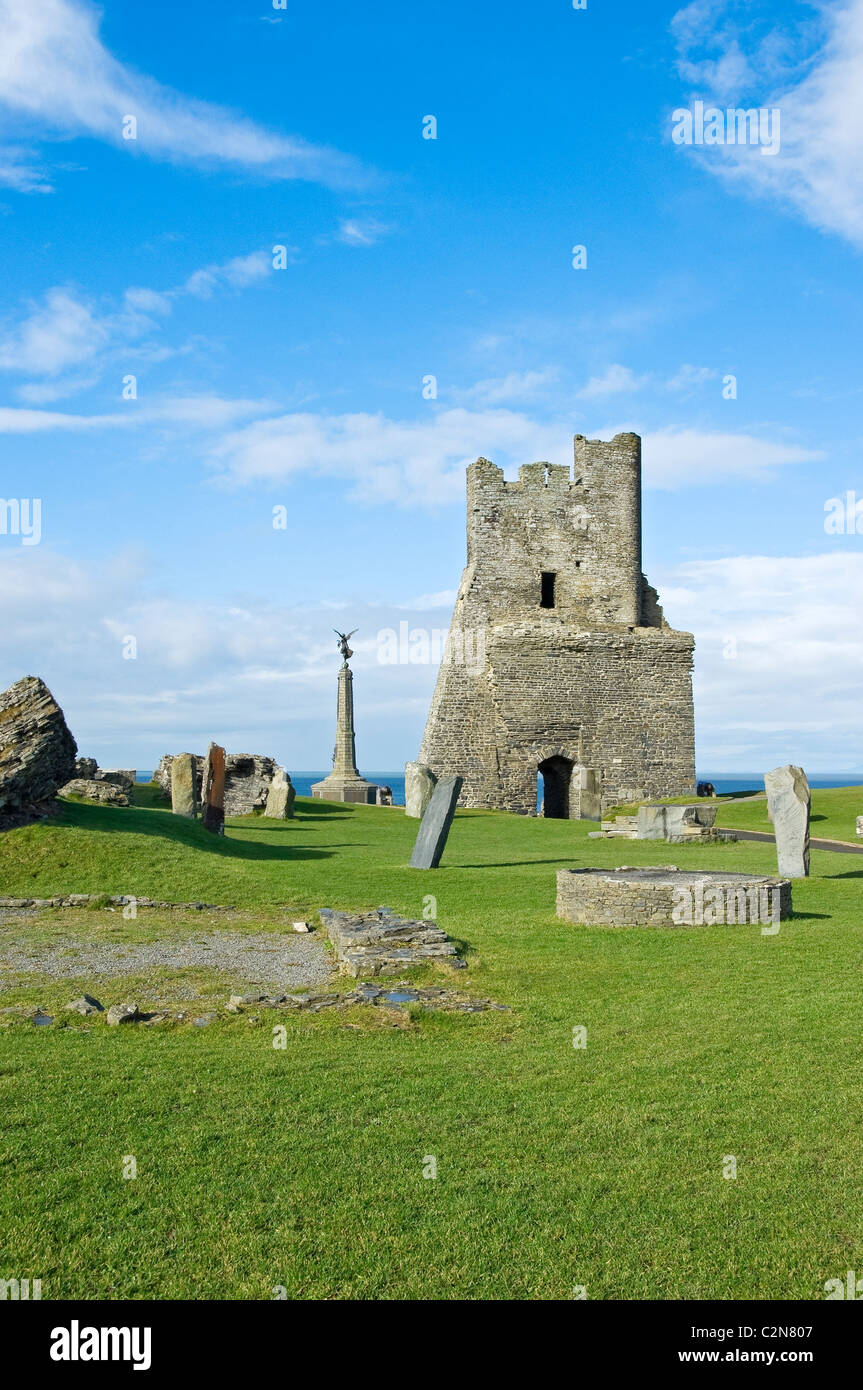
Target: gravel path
point(287, 960)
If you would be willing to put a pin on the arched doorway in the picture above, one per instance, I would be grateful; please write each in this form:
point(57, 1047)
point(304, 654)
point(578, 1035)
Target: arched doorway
point(556, 774)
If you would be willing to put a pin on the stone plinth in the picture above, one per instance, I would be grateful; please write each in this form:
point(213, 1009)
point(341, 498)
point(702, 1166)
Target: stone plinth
point(668, 897)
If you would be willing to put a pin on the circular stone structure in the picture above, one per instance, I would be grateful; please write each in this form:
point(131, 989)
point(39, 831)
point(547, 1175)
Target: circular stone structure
point(664, 896)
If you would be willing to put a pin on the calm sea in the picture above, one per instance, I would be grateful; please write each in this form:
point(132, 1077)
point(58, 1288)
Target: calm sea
point(722, 781)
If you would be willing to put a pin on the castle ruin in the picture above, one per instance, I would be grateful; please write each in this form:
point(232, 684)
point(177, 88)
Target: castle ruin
point(560, 661)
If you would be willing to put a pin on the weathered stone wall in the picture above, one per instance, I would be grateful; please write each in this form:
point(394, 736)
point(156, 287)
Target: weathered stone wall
point(599, 678)
point(652, 897)
point(248, 778)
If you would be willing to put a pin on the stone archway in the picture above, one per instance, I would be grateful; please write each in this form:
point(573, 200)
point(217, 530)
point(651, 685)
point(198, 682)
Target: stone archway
point(556, 777)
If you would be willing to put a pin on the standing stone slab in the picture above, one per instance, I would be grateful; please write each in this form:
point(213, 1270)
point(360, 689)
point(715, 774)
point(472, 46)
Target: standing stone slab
point(280, 797)
point(788, 798)
point(184, 801)
point(420, 783)
point(213, 790)
point(434, 826)
point(585, 794)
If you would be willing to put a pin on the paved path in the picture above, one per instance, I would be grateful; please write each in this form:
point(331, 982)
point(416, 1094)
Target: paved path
point(837, 846)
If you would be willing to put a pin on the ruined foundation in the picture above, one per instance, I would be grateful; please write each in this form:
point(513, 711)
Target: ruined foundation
point(664, 896)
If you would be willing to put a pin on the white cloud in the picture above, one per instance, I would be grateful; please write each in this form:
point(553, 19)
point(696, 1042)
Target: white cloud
point(778, 658)
point(361, 231)
point(689, 377)
point(45, 392)
point(673, 458)
point(813, 77)
point(614, 380)
point(56, 73)
point(421, 462)
point(20, 171)
point(19, 421)
point(506, 390)
point(201, 413)
point(409, 462)
point(69, 329)
point(63, 331)
point(236, 274)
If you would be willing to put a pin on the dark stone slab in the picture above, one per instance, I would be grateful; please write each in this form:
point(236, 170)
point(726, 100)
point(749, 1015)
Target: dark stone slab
point(213, 790)
point(434, 826)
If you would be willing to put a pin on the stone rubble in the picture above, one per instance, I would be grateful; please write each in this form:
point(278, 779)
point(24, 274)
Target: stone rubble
point(107, 793)
point(397, 996)
point(381, 942)
point(122, 1013)
point(86, 1005)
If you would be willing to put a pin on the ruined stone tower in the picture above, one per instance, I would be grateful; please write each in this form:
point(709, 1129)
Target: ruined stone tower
point(559, 659)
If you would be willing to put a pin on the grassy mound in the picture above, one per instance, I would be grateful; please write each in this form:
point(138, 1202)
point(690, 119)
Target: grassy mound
point(556, 1166)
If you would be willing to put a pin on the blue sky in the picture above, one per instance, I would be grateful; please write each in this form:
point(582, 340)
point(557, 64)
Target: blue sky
point(301, 387)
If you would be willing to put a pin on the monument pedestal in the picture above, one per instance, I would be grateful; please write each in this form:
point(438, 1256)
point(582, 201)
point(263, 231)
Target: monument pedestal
point(344, 783)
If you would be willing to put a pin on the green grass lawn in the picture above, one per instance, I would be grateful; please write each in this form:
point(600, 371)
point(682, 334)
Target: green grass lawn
point(556, 1166)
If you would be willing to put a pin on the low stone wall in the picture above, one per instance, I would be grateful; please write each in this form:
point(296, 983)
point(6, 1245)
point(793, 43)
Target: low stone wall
point(665, 896)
